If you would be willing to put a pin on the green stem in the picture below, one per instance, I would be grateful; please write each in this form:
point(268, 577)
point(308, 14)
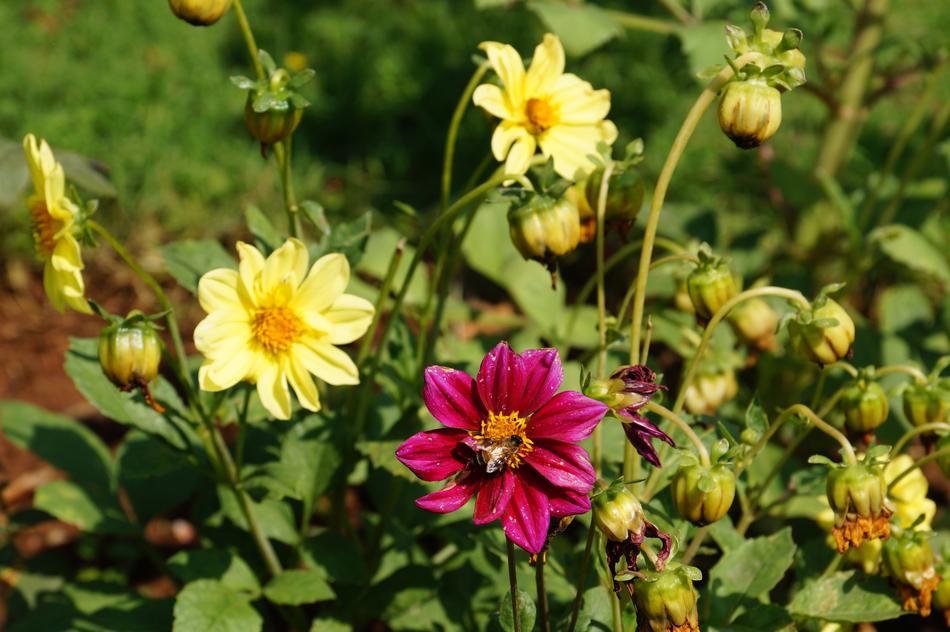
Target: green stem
point(287, 184)
point(694, 545)
point(582, 577)
point(692, 119)
point(248, 38)
point(384, 289)
point(913, 432)
point(615, 612)
point(450, 139)
point(642, 23)
point(678, 421)
point(933, 456)
point(543, 621)
point(678, 12)
point(601, 306)
point(828, 429)
point(844, 366)
point(919, 376)
point(513, 582)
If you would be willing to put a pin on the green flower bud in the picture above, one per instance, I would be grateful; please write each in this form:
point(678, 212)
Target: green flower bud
point(274, 124)
point(857, 494)
point(624, 196)
point(909, 560)
point(755, 322)
point(926, 403)
point(941, 596)
point(823, 335)
point(749, 436)
point(710, 391)
point(864, 404)
point(681, 299)
point(711, 286)
point(617, 513)
point(703, 495)
point(130, 352)
point(666, 601)
point(544, 229)
point(199, 12)
point(750, 112)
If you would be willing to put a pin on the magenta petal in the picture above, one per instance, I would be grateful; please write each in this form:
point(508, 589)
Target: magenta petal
point(527, 516)
point(501, 380)
point(543, 376)
point(562, 464)
point(433, 455)
point(567, 503)
point(452, 496)
point(568, 416)
point(493, 497)
point(451, 397)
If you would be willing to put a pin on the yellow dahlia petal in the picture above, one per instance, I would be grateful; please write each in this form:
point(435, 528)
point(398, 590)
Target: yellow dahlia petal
point(608, 132)
point(303, 385)
point(348, 319)
point(546, 66)
point(327, 362)
point(223, 329)
point(286, 265)
point(570, 146)
point(67, 256)
point(324, 284)
point(53, 289)
point(490, 98)
point(55, 191)
point(225, 372)
point(507, 64)
point(65, 288)
point(580, 104)
point(32, 152)
point(519, 157)
point(273, 391)
point(504, 137)
point(218, 290)
point(250, 266)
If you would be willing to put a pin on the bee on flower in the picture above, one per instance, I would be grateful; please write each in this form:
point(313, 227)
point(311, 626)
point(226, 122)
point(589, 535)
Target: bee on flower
point(545, 108)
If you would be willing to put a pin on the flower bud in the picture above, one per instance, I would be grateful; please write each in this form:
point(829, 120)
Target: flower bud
point(750, 112)
point(749, 436)
point(909, 560)
point(199, 12)
point(711, 286)
point(617, 513)
point(624, 196)
point(710, 391)
point(681, 299)
point(576, 195)
point(857, 494)
point(666, 601)
point(130, 352)
point(941, 597)
point(755, 322)
point(544, 229)
point(703, 494)
point(823, 335)
point(926, 403)
point(864, 404)
point(274, 124)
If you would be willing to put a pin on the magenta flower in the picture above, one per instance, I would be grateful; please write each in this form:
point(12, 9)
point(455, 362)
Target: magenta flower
point(509, 440)
point(637, 386)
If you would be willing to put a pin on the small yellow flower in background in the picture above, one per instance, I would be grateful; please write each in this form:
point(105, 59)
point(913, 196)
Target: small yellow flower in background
point(543, 107)
point(54, 217)
point(273, 322)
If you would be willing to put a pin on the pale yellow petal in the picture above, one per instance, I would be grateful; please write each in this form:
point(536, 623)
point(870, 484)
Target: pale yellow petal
point(570, 147)
point(348, 318)
point(303, 385)
point(53, 290)
point(218, 290)
point(55, 189)
point(65, 288)
point(546, 66)
point(577, 102)
point(324, 284)
point(273, 391)
point(32, 153)
point(224, 373)
point(286, 265)
point(494, 101)
point(249, 268)
point(507, 64)
point(519, 157)
point(222, 330)
point(67, 256)
point(330, 364)
point(504, 137)
point(608, 132)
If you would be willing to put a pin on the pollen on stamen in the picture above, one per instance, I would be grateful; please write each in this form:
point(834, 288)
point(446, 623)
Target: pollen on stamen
point(277, 328)
point(541, 115)
point(499, 426)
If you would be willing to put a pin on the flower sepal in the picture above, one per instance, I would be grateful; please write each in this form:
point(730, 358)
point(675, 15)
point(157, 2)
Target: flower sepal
point(711, 284)
point(703, 494)
point(928, 402)
point(666, 599)
point(909, 561)
point(130, 352)
point(544, 228)
point(864, 404)
point(824, 332)
point(274, 104)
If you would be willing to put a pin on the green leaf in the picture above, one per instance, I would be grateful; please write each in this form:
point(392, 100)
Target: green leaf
point(268, 238)
point(298, 586)
point(86, 173)
point(847, 597)
point(704, 43)
point(907, 247)
point(315, 214)
point(308, 460)
point(336, 556)
point(347, 237)
point(275, 517)
point(761, 618)
point(900, 306)
point(527, 612)
point(382, 454)
point(91, 512)
point(188, 259)
point(581, 27)
point(14, 174)
point(725, 535)
point(82, 366)
point(751, 570)
point(596, 613)
point(755, 417)
point(155, 476)
point(61, 441)
point(217, 564)
point(211, 606)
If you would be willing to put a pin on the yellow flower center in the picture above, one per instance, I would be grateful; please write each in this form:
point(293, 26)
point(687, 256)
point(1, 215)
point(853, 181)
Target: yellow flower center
point(277, 328)
point(45, 227)
point(541, 115)
point(499, 427)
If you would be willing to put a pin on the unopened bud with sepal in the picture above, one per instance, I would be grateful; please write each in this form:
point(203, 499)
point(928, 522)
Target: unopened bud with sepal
point(199, 12)
point(666, 599)
point(703, 494)
point(909, 561)
point(711, 284)
point(823, 332)
point(864, 404)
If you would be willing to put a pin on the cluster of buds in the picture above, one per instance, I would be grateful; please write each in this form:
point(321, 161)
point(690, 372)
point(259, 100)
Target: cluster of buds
point(822, 333)
point(711, 285)
point(750, 106)
point(626, 392)
point(857, 493)
point(130, 353)
point(865, 407)
point(754, 323)
point(666, 599)
point(274, 106)
point(702, 493)
point(199, 12)
point(909, 561)
point(619, 515)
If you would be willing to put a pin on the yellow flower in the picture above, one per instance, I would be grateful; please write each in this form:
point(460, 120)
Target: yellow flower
point(543, 107)
point(273, 322)
point(54, 217)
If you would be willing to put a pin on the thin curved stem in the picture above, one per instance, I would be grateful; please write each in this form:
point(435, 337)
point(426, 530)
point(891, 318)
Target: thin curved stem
point(844, 366)
point(248, 39)
point(513, 582)
point(582, 578)
point(642, 22)
point(601, 305)
point(460, 107)
point(682, 256)
point(694, 545)
point(381, 300)
point(913, 432)
point(680, 423)
point(919, 376)
point(692, 119)
point(933, 456)
point(849, 457)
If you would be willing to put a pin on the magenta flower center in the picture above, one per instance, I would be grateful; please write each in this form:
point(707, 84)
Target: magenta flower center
point(503, 437)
